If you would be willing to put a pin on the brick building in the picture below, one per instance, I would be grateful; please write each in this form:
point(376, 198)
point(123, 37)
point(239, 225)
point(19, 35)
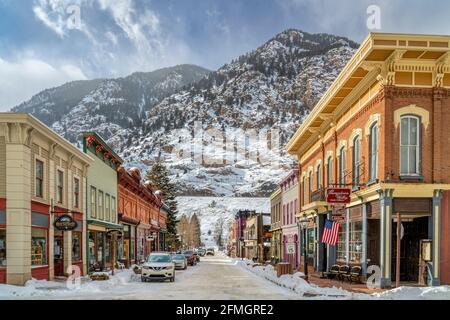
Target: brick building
point(382, 130)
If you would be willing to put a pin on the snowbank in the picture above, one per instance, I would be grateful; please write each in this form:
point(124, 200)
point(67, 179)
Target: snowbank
point(296, 283)
point(54, 289)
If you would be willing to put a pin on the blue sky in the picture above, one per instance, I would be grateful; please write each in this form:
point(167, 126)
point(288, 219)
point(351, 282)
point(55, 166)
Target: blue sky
point(40, 49)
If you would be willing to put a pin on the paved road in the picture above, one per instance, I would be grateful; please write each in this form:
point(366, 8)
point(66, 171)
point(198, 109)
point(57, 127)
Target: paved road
point(215, 277)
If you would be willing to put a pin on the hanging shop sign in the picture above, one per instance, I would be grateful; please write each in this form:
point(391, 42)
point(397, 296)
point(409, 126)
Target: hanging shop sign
point(65, 223)
point(338, 195)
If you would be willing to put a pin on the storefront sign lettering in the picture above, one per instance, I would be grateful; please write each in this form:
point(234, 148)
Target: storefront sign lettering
point(65, 223)
point(338, 195)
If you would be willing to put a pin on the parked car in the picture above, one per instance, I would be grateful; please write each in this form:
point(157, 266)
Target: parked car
point(180, 261)
point(201, 252)
point(159, 266)
point(191, 259)
point(210, 251)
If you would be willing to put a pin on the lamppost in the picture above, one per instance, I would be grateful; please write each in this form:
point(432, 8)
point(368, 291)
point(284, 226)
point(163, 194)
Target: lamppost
point(303, 222)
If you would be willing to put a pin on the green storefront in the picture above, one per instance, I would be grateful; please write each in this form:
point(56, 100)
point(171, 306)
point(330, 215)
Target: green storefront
point(102, 203)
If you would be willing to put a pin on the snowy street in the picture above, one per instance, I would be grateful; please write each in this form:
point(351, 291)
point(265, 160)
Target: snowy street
point(214, 278)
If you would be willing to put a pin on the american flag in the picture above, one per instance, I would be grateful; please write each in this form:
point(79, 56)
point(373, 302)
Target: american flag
point(330, 232)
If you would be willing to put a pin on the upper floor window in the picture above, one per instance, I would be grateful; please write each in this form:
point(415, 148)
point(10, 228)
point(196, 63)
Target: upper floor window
point(303, 191)
point(113, 209)
point(356, 170)
point(60, 188)
point(342, 166)
point(409, 145)
point(107, 207)
point(310, 182)
point(76, 192)
point(100, 205)
point(93, 202)
point(39, 184)
point(330, 171)
point(318, 177)
point(373, 153)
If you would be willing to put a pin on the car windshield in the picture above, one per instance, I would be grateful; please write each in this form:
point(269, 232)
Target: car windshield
point(159, 258)
point(178, 257)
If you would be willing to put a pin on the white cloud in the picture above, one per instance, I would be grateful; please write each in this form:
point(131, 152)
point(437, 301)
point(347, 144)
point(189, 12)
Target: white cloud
point(22, 79)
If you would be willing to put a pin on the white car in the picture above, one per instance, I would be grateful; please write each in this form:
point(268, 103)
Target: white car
point(159, 266)
point(180, 261)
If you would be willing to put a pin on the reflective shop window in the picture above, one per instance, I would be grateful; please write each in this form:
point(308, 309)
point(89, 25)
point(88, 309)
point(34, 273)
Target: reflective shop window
point(76, 246)
point(2, 247)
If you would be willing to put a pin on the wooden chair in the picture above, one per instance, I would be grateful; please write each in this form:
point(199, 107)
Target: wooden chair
point(334, 272)
point(355, 274)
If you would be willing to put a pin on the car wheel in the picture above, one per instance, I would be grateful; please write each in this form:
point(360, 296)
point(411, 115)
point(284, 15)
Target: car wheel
point(143, 279)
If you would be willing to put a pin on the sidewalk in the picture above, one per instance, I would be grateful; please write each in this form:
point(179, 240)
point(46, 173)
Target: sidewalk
point(316, 279)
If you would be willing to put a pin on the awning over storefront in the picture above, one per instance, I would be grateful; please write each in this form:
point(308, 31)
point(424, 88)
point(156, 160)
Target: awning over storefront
point(105, 224)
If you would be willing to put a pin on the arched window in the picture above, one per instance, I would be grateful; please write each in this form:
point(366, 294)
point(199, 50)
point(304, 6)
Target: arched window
point(356, 171)
point(342, 166)
point(373, 153)
point(318, 177)
point(410, 145)
point(310, 181)
point(330, 171)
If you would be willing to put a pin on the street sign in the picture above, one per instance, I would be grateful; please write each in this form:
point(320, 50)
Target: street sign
point(338, 195)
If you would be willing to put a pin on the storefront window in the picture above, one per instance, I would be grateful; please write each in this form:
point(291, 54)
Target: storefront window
point(132, 241)
point(355, 241)
point(38, 247)
point(108, 249)
point(341, 249)
point(92, 259)
point(2, 248)
point(99, 247)
point(76, 246)
point(310, 241)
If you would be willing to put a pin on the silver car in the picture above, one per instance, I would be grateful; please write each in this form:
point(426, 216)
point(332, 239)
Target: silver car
point(159, 266)
point(180, 261)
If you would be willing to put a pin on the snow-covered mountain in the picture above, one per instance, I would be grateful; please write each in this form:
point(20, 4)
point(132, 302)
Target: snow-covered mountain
point(269, 90)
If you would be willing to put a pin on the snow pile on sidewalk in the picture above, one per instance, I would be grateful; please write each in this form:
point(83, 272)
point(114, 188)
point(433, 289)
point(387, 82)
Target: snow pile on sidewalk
point(44, 288)
point(295, 283)
point(415, 293)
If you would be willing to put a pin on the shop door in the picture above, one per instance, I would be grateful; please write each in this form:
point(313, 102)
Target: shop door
point(58, 256)
point(414, 231)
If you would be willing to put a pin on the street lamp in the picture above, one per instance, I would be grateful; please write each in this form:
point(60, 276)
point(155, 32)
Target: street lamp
point(303, 222)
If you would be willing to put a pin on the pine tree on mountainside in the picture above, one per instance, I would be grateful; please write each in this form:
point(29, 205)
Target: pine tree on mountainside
point(159, 177)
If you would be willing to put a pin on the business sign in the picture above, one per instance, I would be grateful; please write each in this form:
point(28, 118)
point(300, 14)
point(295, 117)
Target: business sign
point(338, 195)
point(65, 223)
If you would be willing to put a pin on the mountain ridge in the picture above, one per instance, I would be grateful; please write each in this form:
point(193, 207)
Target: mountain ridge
point(270, 88)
